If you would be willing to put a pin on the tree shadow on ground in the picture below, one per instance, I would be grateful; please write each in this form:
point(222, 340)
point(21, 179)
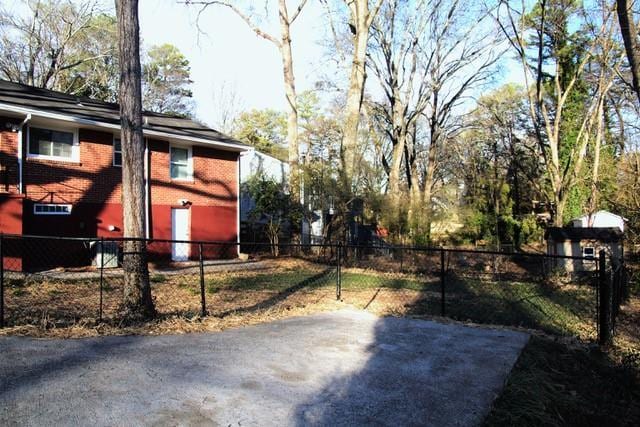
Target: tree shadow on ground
point(327, 370)
point(560, 311)
point(314, 281)
point(415, 373)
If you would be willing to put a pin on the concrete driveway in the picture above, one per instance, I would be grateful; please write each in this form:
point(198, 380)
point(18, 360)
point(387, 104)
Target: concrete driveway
point(341, 368)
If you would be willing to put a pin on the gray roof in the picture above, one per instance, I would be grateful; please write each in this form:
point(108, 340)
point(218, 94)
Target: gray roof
point(575, 234)
point(49, 101)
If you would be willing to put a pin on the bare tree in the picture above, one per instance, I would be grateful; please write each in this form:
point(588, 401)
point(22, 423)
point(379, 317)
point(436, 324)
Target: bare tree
point(137, 301)
point(362, 16)
point(228, 106)
point(54, 38)
point(283, 43)
point(630, 36)
point(397, 37)
point(606, 61)
point(427, 64)
point(463, 48)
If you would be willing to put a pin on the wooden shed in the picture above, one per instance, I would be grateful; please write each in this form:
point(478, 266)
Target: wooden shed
point(582, 242)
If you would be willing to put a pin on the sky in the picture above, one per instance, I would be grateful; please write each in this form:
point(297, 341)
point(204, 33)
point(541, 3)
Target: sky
point(226, 53)
point(229, 54)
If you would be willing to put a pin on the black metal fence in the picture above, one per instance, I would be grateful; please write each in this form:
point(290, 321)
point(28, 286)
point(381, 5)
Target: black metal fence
point(57, 282)
point(613, 292)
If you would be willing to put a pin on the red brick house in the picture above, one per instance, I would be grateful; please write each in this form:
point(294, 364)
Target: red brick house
point(60, 170)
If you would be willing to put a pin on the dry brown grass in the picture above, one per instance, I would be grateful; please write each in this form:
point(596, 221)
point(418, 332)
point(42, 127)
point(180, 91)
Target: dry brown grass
point(63, 309)
point(233, 298)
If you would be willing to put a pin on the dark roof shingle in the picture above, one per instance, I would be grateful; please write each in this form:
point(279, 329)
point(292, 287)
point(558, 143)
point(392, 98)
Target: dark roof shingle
point(24, 96)
point(574, 234)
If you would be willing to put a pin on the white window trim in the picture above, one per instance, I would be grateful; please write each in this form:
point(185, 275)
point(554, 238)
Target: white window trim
point(593, 256)
point(113, 151)
point(189, 162)
point(69, 208)
point(75, 148)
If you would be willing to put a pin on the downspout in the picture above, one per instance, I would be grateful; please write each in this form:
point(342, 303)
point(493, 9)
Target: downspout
point(238, 203)
point(20, 143)
point(147, 179)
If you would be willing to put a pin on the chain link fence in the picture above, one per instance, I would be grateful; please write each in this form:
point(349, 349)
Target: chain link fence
point(59, 282)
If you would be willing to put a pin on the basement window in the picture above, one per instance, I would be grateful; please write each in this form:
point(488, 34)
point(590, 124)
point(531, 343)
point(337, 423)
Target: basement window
point(51, 209)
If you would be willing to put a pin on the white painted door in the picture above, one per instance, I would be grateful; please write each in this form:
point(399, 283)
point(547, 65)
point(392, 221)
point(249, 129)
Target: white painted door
point(180, 231)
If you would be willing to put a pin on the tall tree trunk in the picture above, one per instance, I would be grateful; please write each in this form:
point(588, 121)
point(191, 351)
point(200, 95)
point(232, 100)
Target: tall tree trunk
point(630, 36)
point(292, 103)
point(137, 300)
point(397, 153)
point(362, 17)
point(560, 202)
point(513, 171)
point(595, 171)
point(352, 110)
point(416, 201)
point(427, 191)
point(283, 43)
point(434, 140)
point(497, 193)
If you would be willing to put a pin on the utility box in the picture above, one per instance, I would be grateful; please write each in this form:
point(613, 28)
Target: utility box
point(105, 254)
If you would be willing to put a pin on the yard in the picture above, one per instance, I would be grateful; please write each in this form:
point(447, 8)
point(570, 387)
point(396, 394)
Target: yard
point(68, 305)
point(553, 381)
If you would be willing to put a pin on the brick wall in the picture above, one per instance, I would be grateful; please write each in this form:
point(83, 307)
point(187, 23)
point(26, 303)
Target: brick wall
point(94, 179)
point(91, 180)
point(93, 186)
point(8, 159)
point(214, 182)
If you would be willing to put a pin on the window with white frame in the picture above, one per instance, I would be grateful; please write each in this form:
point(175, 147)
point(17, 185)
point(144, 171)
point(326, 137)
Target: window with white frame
point(589, 252)
point(181, 167)
point(51, 143)
point(117, 152)
point(51, 209)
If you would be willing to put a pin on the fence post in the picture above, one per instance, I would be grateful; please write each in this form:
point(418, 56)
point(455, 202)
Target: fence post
point(605, 301)
point(442, 283)
point(202, 293)
point(101, 276)
point(339, 273)
point(1, 280)
point(624, 281)
point(617, 289)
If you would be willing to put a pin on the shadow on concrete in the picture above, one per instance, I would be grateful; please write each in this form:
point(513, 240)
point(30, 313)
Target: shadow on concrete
point(417, 373)
point(343, 368)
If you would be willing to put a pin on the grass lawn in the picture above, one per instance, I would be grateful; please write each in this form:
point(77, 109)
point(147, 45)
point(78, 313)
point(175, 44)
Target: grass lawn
point(555, 384)
point(281, 281)
point(561, 310)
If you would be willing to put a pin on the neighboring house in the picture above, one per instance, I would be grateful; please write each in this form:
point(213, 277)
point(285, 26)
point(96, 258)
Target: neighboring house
point(254, 162)
point(586, 236)
point(61, 173)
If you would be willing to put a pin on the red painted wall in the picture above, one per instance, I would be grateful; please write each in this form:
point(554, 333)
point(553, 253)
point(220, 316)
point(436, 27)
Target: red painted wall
point(11, 223)
point(208, 223)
